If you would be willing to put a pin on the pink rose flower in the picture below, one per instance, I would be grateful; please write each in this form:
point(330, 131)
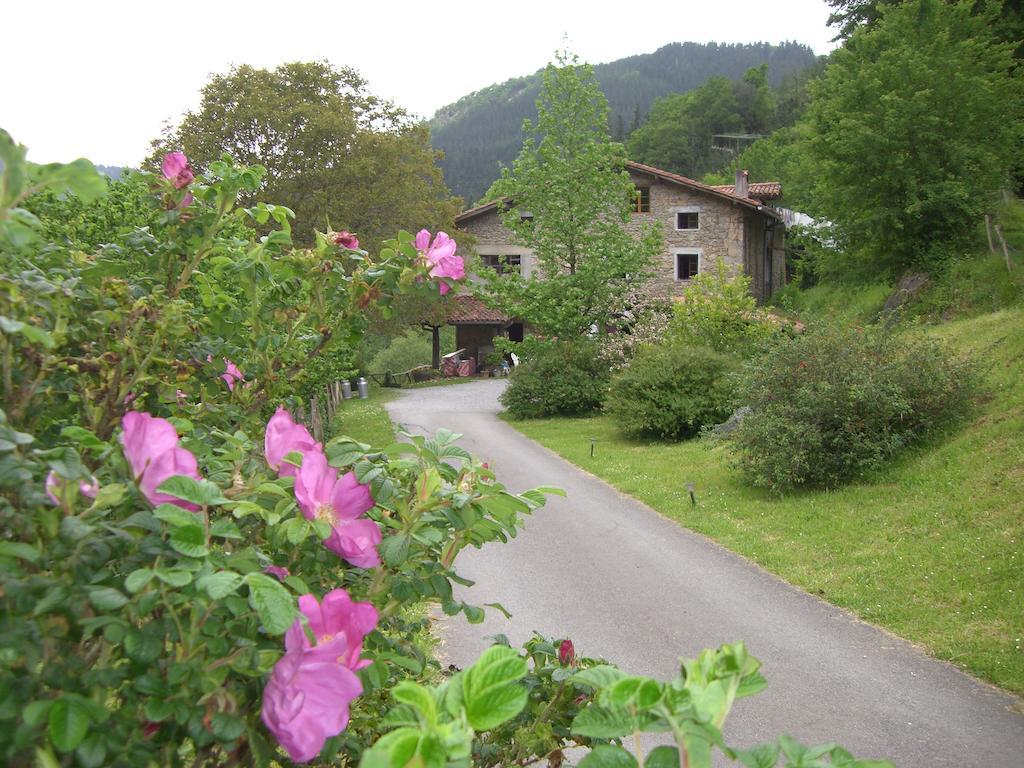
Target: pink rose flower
point(278, 571)
point(176, 168)
point(56, 487)
point(440, 254)
point(284, 436)
point(307, 698)
point(231, 374)
point(566, 653)
point(346, 240)
point(322, 495)
point(335, 618)
point(151, 447)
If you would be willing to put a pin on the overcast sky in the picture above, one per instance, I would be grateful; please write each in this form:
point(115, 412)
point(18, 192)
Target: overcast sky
point(98, 79)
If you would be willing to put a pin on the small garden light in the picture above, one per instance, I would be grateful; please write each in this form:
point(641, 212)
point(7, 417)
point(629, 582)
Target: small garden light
point(691, 488)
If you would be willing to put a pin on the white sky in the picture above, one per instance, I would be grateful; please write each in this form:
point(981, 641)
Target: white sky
point(98, 78)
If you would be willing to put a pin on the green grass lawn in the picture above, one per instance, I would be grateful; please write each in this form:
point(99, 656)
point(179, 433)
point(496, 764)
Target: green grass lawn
point(366, 420)
point(930, 548)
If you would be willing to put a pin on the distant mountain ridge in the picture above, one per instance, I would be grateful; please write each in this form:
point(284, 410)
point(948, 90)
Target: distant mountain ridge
point(483, 129)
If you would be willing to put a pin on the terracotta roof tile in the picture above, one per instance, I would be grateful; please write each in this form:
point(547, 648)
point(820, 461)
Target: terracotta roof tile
point(757, 192)
point(762, 190)
point(470, 309)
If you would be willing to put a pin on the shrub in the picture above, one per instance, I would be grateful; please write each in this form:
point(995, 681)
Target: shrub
point(560, 378)
point(672, 391)
point(409, 350)
point(718, 311)
point(333, 364)
point(834, 403)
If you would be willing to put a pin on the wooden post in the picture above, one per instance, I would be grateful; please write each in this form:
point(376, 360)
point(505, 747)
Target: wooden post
point(988, 231)
point(315, 422)
point(1006, 251)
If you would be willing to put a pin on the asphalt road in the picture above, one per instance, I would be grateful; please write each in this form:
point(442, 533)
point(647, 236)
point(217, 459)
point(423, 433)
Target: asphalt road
point(632, 587)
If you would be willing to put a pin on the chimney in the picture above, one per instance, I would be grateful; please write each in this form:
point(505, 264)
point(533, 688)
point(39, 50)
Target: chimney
point(741, 183)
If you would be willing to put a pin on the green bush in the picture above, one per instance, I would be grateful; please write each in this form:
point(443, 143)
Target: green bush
point(835, 403)
point(718, 312)
point(409, 350)
point(335, 363)
point(672, 391)
point(559, 379)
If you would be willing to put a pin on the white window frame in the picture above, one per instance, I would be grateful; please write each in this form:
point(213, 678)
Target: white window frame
point(677, 252)
point(686, 209)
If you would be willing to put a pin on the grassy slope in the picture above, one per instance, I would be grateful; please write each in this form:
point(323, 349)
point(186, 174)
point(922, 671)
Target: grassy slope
point(930, 548)
point(366, 420)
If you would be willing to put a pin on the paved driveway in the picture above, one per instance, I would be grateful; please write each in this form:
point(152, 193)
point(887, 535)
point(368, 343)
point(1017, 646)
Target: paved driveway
point(630, 586)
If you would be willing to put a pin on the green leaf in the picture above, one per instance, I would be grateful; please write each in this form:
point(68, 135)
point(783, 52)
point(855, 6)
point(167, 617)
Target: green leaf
point(600, 722)
point(106, 599)
point(273, 603)
point(69, 723)
point(227, 727)
point(271, 489)
point(19, 550)
point(83, 437)
point(219, 585)
point(158, 710)
point(35, 712)
point(175, 516)
point(761, 756)
point(609, 756)
point(223, 528)
point(176, 577)
point(601, 676)
point(663, 757)
point(45, 759)
point(639, 692)
point(142, 647)
point(189, 541)
point(395, 549)
point(490, 690)
point(92, 752)
point(750, 685)
point(392, 750)
point(417, 697)
point(201, 492)
point(138, 579)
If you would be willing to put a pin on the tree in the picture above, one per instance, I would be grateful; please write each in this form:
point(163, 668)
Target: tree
point(569, 196)
point(333, 151)
point(914, 126)
point(679, 133)
point(1006, 18)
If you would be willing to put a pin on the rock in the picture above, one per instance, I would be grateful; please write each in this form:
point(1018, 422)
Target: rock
point(909, 288)
point(729, 425)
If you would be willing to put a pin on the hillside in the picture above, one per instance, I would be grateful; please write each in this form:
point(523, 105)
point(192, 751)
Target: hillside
point(929, 547)
point(483, 129)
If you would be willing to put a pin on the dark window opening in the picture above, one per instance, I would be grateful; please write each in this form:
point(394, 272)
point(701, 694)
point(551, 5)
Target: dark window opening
point(502, 264)
point(687, 265)
point(687, 220)
point(515, 332)
point(641, 200)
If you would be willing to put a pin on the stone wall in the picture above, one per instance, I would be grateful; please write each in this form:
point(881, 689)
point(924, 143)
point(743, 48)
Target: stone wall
point(492, 238)
point(726, 230)
point(720, 232)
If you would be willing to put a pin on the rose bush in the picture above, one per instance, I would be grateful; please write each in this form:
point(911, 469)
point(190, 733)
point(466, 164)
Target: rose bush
point(171, 594)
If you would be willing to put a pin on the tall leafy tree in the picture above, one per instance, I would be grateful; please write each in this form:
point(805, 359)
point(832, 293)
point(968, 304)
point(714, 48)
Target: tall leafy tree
point(334, 152)
point(569, 197)
point(914, 125)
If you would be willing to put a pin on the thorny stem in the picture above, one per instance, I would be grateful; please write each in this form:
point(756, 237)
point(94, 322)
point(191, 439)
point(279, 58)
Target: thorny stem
point(204, 247)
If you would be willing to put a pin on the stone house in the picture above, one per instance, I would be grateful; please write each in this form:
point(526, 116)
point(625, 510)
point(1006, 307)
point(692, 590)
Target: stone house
point(700, 224)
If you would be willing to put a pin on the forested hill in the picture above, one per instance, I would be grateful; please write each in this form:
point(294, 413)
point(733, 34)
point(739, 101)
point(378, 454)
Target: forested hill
point(483, 129)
